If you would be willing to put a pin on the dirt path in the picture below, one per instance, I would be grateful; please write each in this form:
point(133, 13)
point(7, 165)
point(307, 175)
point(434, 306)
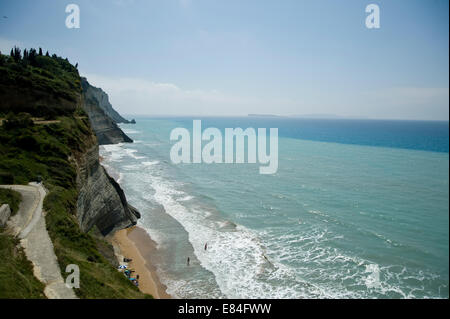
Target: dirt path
point(29, 225)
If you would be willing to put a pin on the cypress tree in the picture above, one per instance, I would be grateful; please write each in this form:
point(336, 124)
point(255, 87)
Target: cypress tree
point(32, 57)
point(17, 54)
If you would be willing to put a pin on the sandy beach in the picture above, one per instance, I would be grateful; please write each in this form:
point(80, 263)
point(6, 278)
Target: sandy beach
point(134, 243)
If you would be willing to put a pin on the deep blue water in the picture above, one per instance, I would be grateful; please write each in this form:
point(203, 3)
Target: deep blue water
point(415, 135)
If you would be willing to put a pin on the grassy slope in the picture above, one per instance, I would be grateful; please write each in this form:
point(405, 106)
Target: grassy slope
point(16, 272)
point(46, 151)
point(15, 269)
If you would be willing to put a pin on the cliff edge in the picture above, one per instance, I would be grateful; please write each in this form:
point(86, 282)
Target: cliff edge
point(61, 97)
point(103, 117)
point(102, 98)
point(101, 201)
point(48, 127)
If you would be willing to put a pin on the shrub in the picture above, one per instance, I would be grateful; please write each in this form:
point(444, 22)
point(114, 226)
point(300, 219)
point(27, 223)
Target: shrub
point(21, 120)
point(6, 178)
point(11, 198)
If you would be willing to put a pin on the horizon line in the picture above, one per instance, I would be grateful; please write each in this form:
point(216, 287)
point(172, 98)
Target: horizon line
point(306, 117)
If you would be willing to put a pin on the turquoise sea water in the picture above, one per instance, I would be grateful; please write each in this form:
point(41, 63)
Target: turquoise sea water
point(357, 209)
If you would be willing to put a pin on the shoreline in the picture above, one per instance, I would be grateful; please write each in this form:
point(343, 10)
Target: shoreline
point(136, 244)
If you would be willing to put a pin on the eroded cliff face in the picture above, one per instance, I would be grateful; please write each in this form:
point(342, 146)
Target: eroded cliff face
point(101, 201)
point(103, 117)
point(92, 92)
point(53, 88)
point(105, 129)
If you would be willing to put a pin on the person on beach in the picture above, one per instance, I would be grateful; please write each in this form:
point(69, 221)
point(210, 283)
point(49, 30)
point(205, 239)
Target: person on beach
point(188, 261)
point(206, 246)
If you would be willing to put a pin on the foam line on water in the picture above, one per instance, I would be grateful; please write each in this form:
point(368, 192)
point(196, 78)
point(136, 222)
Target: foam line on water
point(235, 255)
point(150, 163)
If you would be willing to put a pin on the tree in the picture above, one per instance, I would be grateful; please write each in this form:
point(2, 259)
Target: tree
point(40, 51)
point(32, 54)
point(47, 54)
point(16, 54)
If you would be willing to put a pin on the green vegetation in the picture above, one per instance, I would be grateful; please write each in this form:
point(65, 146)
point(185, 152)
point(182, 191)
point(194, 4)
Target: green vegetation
point(29, 151)
point(98, 279)
point(16, 272)
point(12, 198)
point(40, 85)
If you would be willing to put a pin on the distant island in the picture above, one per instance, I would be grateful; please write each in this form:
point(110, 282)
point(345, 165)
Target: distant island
point(305, 116)
point(264, 115)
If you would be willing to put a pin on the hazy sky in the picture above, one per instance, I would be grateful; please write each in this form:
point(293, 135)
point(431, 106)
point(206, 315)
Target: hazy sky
point(233, 57)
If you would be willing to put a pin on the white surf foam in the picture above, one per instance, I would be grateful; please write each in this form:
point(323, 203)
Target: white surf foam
point(131, 152)
point(130, 131)
point(234, 255)
point(185, 198)
point(113, 152)
point(150, 163)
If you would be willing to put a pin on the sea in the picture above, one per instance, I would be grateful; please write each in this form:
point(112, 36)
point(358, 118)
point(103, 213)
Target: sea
point(356, 209)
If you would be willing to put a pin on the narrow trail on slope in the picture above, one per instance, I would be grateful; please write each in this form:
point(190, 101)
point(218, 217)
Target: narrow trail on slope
point(29, 225)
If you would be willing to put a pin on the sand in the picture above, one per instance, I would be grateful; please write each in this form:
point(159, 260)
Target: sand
point(136, 244)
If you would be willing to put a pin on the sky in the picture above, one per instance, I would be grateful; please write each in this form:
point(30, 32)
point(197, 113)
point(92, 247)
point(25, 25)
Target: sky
point(235, 57)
